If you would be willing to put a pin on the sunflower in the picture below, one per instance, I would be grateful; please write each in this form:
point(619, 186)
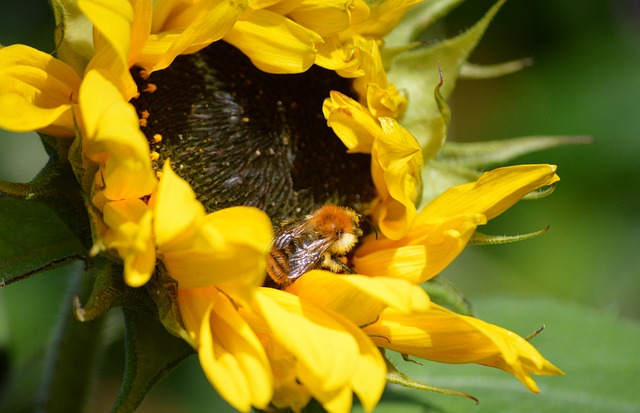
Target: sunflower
point(197, 127)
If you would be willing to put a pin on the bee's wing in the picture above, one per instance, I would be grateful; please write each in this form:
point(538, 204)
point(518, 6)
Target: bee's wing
point(307, 256)
point(285, 235)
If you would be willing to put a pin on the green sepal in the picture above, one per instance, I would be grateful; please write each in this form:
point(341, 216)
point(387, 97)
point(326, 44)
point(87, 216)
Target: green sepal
point(150, 354)
point(33, 239)
point(417, 20)
point(539, 193)
point(485, 239)
point(73, 35)
point(475, 71)
point(109, 291)
point(444, 293)
point(163, 290)
point(394, 376)
point(417, 72)
point(482, 154)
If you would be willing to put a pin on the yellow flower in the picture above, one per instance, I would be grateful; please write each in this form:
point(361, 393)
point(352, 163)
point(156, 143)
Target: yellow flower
point(319, 337)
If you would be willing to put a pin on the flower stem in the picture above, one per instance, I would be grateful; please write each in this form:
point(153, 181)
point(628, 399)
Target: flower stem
point(71, 358)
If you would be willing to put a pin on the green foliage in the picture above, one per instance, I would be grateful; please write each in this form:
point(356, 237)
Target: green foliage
point(151, 352)
point(32, 238)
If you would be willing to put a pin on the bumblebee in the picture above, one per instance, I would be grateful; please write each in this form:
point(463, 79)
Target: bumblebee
point(322, 239)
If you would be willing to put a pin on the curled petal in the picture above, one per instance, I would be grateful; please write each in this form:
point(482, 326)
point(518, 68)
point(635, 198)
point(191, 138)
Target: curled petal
point(396, 170)
point(37, 92)
point(351, 121)
point(326, 17)
point(441, 335)
point(129, 232)
point(335, 55)
point(230, 354)
point(114, 140)
point(383, 18)
point(205, 23)
point(274, 43)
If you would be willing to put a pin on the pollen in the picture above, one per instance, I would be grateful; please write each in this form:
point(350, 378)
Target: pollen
point(157, 138)
point(154, 156)
point(150, 88)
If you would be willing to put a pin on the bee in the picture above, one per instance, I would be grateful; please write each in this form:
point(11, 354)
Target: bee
point(322, 239)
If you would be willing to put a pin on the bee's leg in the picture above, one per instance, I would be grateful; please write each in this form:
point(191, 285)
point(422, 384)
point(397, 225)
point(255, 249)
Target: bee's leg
point(334, 264)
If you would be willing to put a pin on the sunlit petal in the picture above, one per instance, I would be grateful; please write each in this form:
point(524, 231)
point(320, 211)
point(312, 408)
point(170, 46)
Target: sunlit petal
point(441, 335)
point(230, 354)
point(114, 140)
point(36, 91)
point(274, 43)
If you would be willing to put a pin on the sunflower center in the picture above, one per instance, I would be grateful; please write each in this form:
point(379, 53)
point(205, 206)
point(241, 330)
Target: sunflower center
point(240, 136)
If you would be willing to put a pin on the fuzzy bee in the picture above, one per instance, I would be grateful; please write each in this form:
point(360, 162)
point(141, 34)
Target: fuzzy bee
point(319, 240)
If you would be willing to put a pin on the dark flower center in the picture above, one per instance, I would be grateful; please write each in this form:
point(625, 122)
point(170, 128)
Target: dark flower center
point(240, 136)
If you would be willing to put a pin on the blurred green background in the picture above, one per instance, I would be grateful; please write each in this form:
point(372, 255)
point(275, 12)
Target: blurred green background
point(585, 81)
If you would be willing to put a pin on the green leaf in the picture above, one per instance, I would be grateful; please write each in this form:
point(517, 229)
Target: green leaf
point(597, 351)
point(151, 353)
point(32, 239)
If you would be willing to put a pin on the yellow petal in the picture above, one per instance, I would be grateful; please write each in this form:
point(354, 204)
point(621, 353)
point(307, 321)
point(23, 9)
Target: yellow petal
point(177, 212)
point(116, 70)
point(396, 170)
point(422, 254)
point(140, 29)
point(493, 193)
point(327, 17)
point(226, 248)
point(441, 335)
point(113, 19)
point(445, 225)
point(230, 354)
point(334, 356)
point(384, 17)
point(129, 232)
point(340, 57)
point(353, 123)
point(36, 92)
point(274, 43)
point(205, 23)
point(114, 140)
point(358, 298)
